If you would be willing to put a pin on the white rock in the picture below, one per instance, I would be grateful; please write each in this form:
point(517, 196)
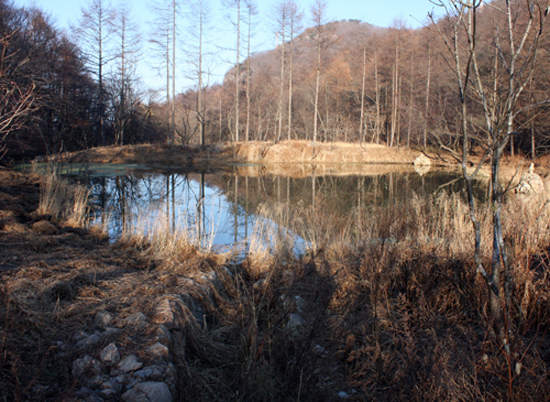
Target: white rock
point(158, 350)
point(110, 354)
point(129, 363)
point(530, 183)
point(422, 160)
point(137, 319)
point(148, 392)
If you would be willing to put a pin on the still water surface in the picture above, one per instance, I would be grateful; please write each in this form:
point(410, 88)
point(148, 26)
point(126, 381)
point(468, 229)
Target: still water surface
point(222, 210)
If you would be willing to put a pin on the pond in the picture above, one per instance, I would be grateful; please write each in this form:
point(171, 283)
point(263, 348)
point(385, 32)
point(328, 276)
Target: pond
point(247, 204)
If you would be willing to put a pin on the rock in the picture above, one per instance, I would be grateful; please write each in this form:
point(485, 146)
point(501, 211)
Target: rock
point(295, 324)
point(110, 331)
point(110, 354)
point(319, 350)
point(162, 332)
point(44, 227)
point(530, 183)
point(86, 364)
point(87, 395)
point(92, 340)
point(103, 319)
point(158, 351)
point(108, 393)
point(136, 319)
point(343, 394)
point(421, 169)
point(96, 381)
point(150, 373)
point(80, 335)
point(170, 374)
point(422, 165)
point(111, 385)
point(148, 392)
point(172, 312)
point(301, 304)
point(129, 363)
point(422, 160)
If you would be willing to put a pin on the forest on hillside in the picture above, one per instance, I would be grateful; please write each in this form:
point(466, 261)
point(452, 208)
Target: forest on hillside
point(325, 81)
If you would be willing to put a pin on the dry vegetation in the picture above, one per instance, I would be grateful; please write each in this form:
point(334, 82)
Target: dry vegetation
point(246, 152)
point(392, 307)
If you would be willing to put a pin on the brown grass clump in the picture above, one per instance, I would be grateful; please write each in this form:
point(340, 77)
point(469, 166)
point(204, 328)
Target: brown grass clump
point(62, 201)
point(384, 304)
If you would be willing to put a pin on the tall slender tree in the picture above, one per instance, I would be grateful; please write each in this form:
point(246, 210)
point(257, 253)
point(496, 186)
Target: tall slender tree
point(128, 41)
point(318, 12)
point(251, 12)
point(93, 29)
point(164, 40)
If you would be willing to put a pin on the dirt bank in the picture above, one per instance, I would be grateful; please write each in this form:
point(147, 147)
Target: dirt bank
point(290, 158)
point(247, 152)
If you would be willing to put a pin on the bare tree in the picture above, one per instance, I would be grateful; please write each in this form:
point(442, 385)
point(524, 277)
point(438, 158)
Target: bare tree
point(164, 40)
point(93, 30)
point(200, 26)
point(128, 42)
point(251, 12)
point(516, 45)
point(295, 17)
point(281, 25)
point(318, 11)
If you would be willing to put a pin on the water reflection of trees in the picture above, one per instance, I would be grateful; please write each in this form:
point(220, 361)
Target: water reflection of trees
point(322, 209)
point(186, 199)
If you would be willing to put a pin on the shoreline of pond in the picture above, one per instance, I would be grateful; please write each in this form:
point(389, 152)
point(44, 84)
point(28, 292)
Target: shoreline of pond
point(289, 158)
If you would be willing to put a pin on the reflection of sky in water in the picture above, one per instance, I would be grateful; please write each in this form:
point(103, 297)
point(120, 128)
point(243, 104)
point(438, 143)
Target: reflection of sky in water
point(144, 199)
point(175, 201)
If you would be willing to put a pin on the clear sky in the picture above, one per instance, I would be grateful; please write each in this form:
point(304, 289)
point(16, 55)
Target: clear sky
point(376, 12)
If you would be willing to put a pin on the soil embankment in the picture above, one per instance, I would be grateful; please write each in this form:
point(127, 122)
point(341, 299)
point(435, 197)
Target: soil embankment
point(289, 158)
point(247, 152)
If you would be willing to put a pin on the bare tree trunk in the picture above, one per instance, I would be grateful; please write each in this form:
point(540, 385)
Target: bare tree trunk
point(248, 73)
point(318, 11)
point(317, 79)
point(411, 101)
point(199, 89)
point(283, 11)
point(427, 109)
point(237, 71)
point(377, 90)
point(295, 18)
point(173, 115)
point(361, 129)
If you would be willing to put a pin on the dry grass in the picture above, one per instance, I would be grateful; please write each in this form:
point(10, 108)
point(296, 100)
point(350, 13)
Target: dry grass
point(392, 306)
point(247, 152)
point(334, 152)
point(62, 201)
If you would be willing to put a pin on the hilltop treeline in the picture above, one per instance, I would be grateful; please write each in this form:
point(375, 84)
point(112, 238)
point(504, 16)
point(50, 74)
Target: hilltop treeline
point(336, 81)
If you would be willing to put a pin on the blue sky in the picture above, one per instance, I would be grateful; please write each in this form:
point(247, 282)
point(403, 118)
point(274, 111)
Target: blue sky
point(381, 13)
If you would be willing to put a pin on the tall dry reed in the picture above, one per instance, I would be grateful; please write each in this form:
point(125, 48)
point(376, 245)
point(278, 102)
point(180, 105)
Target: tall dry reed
point(63, 201)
